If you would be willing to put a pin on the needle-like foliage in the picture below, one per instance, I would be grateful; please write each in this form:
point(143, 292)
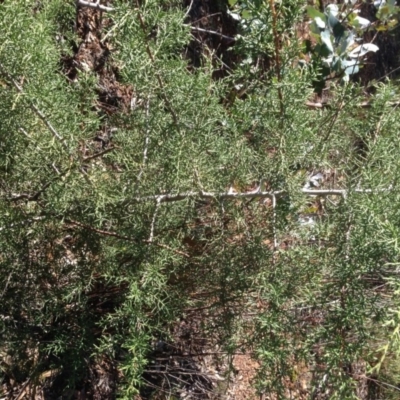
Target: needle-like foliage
point(145, 188)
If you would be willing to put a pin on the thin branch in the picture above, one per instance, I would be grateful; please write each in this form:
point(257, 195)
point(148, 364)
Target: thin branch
point(96, 6)
point(101, 153)
point(24, 389)
point(93, 229)
point(35, 109)
point(189, 9)
point(153, 222)
point(55, 169)
point(179, 372)
point(254, 194)
point(274, 224)
point(364, 104)
point(35, 196)
point(24, 132)
point(238, 95)
point(102, 232)
point(347, 240)
point(6, 285)
point(30, 197)
point(127, 238)
point(380, 382)
point(183, 356)
point(207, 16)
point(195, 28)
point(166, 247)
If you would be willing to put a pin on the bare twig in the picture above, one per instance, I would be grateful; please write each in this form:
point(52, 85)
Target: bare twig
point(180, 372)
point(6, 285)
point(24, 389)
point(254, 194)
point(165, 246)
point(378, 382)
point(101, 231)
point(30, 197)
point(364, 104)
point(21, 129)
point(153, 221)
point(274, 224)
point(207, 16)
point(96, 5)
point(195, 28)
point(101, 153)
point(55, 169)
point(347, 240)
point(127, 238)
point(188, 10)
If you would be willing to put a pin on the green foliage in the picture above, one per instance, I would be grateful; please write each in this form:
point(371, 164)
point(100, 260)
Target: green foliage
point(96, 264)
point(255, 39)
point(339, 29)
point(337, 32)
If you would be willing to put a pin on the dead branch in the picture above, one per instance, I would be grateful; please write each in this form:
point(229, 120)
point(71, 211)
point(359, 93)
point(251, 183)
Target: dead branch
point(153, 222)
point(146, 143)
point(30, 197)
point(194, 28)
point(189, 9)
point(254, 194)
point(96, 6)
point(101, 153)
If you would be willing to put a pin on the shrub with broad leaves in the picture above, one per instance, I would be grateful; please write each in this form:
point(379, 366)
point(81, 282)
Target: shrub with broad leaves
point(339, 33)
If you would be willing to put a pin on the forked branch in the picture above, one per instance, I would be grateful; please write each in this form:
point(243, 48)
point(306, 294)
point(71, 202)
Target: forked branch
point(254, 194)
point(96, 5)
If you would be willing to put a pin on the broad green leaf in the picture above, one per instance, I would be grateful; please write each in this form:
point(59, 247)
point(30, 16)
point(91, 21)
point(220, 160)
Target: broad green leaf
point(314, 13)
point(345, 43)
point(326, 40)
point(337, 28)
point(360, 23)
point(246, 14)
